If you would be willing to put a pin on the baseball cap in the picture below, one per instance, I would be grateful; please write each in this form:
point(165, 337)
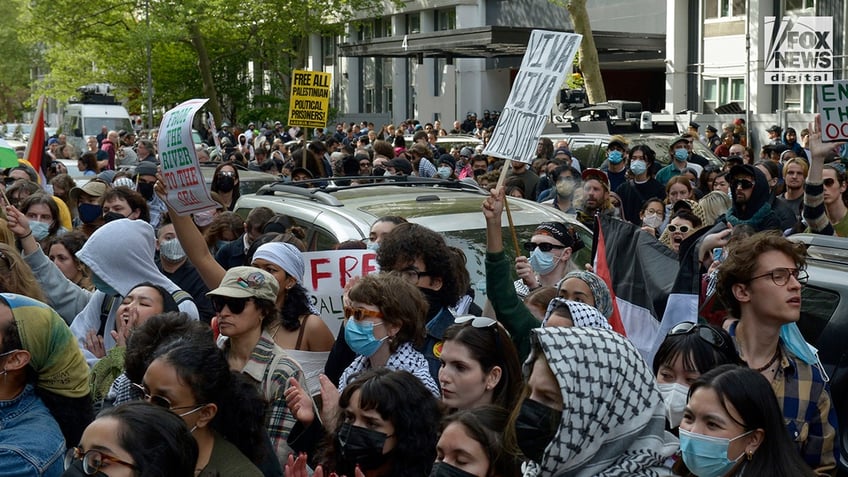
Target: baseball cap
point(145, 168)
point(712, 129)
point(681, 138)
point(93, 188)
point(562, 150)
point(466, 152)
point(774, 128)
point(247, 282)
point(400, 164)
point(597, 175)
point(617, 141)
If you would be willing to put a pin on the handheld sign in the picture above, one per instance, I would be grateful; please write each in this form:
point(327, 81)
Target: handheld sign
point(309, 102)
point(833, 107)
point(327, 274)
point(186, 189)
point(547, 59)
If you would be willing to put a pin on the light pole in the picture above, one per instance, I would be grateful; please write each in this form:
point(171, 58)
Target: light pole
point(149, 74)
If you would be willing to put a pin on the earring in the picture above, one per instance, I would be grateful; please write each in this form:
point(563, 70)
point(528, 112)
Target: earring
point(750, 455)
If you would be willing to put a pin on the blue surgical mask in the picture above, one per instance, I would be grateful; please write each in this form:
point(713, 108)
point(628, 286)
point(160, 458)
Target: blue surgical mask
point(88, 213)
point(40, 230)
point(373, 246)
point(794, 342)
point(706, 456)
point(638, 167)
point(444, 172)
point(360, 337)
point(542, 262)
point(681, 154)
point(615, 157)
point(101, 285)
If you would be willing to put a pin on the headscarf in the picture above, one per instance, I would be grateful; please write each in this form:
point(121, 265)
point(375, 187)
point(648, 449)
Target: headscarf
point(285, 256)
point(582, 315)
point(55, 355)
point(603, 299)
point(613, 417)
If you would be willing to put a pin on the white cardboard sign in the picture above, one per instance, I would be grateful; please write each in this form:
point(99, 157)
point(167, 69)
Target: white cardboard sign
point(833, 107)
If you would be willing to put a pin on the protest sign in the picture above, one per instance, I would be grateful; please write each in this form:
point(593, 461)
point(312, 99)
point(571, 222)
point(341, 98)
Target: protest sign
point(309, 102)
point(547, 59)
point(186, 189)
point(798, 50)
point(327, 274)
point(833, 107)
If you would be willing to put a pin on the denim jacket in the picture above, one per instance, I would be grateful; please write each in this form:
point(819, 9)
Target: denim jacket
point(31, 443)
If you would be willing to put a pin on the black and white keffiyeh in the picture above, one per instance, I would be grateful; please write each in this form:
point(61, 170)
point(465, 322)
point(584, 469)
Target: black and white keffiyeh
point(613, 417)
point(582, 315)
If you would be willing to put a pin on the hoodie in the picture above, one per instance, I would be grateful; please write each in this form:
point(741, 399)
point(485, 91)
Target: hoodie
point(121, 254)
point(758, 212)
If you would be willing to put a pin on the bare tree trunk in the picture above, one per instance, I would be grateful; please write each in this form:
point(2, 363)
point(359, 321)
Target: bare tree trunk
point(205, 67)
point(589, 64)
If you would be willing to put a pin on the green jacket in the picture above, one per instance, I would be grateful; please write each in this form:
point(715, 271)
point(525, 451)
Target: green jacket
point(510, 311)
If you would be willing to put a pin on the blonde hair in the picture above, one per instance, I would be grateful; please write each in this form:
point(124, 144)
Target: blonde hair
point(16, 276)
point(714, 205)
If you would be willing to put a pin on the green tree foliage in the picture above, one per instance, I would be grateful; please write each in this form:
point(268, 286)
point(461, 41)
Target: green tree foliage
point(17, 64)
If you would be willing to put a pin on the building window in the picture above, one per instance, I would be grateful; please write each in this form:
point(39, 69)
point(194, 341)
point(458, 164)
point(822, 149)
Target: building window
point(388, 99)
point(438, 75)
point(798, 5)
point(368, 96)
point(382, 27)
point(719, 91)
point(328, 50)
point(798, 98)
point(413, 23)
point(445, 19)
point(724, 8)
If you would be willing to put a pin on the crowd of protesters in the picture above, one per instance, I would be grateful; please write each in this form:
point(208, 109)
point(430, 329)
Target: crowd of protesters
point(135, 341)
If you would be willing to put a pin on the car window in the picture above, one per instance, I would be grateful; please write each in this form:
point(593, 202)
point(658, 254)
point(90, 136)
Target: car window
point(817, 308)
point(320, 239)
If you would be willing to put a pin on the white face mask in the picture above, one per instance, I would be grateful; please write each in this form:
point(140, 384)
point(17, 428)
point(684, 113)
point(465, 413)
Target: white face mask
point(651, 220)
point(675, 396)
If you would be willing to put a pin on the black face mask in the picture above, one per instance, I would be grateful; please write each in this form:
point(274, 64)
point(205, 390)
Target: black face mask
point(441, 469)
point(434, 300)
point(75, 470)
point(535, 428)
point(378, 171)
point(226, 183)
point(110, 216)
point(145, 189)
point(359, 445)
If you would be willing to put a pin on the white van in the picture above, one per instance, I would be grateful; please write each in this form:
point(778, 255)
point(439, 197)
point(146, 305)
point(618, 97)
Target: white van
point(96, 110)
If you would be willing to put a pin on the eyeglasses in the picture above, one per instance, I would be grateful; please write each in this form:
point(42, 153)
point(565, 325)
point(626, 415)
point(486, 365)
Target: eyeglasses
point(678, 228)
point(227, 173)
point(476, 321)
point(92, 460)
point(828, 182)
point(544, 246)
point(780, 276)
point(706, 333)
point(235, 305)
point(412, 275)
point(163, 402)
point(7, 353)
point(744, 183)
point(360, 313)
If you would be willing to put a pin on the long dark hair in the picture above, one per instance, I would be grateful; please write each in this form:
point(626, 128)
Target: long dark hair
point(492, 347)
point(241, 410)
point(157, 439)
point(698, 354)
point(401, 398)
point(489, 425)
point(752, 397)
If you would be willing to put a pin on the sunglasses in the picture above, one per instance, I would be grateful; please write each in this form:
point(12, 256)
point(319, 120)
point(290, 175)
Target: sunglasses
point(705, 333)
point(544, 246)
point(92, 461)
point(744, 183)
point(360, 313)
point(235, 305)
point(678, 228)
point(828, 182)
point(476, 321)
point(163, 402)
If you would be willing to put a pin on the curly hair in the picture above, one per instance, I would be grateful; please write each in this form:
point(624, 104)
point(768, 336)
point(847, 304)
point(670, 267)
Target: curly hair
point(408, 242)
point(401, 398)
point(203, 367)
point(223, 222)
point(295, 306)
point(401, 303)
point(155, 332)
point(742, 259)
point(157, 439)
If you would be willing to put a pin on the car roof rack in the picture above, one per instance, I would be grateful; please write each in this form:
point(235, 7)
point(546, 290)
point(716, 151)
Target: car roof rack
point(321, 190)
point(824, 247)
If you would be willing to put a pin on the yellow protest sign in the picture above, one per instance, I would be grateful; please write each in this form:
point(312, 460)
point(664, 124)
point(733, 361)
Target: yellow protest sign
point(309, 102)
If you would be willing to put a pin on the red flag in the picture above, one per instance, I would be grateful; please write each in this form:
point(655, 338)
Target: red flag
point(35, 149)
point(603, 271)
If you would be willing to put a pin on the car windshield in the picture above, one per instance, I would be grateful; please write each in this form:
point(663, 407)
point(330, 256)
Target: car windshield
point(93, 125)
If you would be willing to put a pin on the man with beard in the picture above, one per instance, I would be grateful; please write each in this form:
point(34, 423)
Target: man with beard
point(794, 174)
point(528, 176)
point(595, 197)
point(422, 257)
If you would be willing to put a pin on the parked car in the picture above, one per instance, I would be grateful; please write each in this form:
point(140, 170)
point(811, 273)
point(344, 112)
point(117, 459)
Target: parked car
point(451, 140)
point(824, 319)
point(591, 148)
point(335, 214)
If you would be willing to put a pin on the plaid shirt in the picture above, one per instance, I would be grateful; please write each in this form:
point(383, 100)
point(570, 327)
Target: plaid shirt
point(426, 168)
point(804, 397)
point(270, 369)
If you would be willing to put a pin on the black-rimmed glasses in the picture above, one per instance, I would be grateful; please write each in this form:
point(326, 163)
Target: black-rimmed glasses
point(412, 275)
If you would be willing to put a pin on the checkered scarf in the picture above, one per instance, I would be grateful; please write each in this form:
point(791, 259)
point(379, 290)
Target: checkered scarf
point(582, 315)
